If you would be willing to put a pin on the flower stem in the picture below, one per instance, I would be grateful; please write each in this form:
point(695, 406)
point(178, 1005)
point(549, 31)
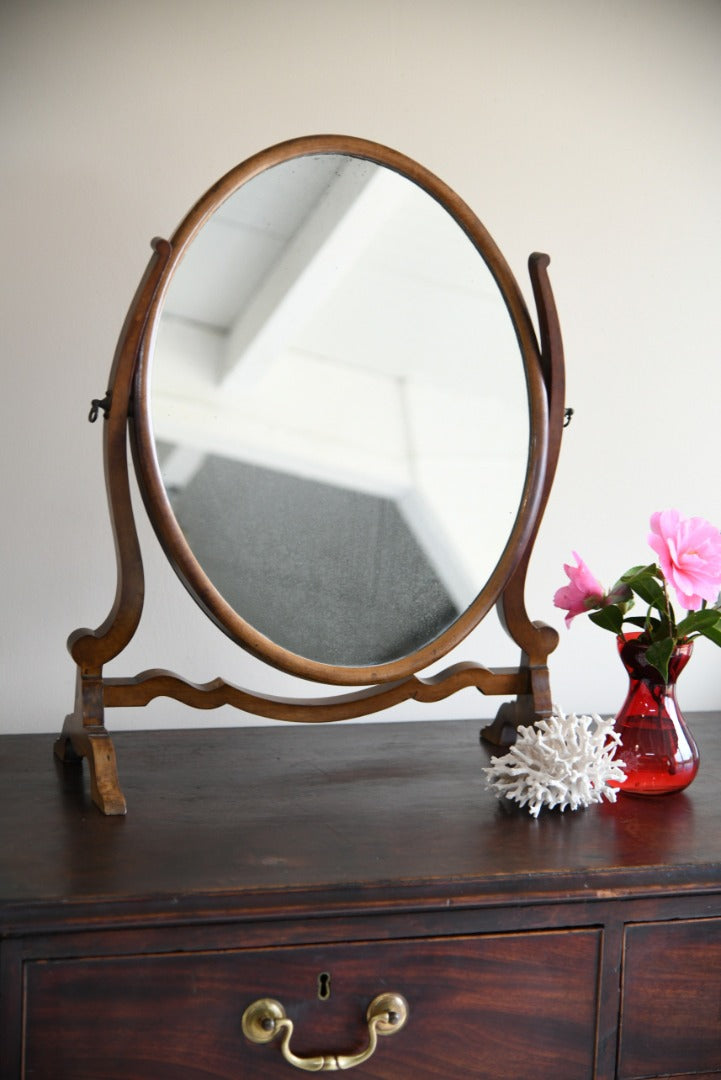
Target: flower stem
point(669, 610)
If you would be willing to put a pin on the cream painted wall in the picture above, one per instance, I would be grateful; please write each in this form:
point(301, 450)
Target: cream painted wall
point(584, 128)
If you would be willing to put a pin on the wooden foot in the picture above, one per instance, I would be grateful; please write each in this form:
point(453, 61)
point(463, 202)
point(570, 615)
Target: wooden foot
point(63, 747)
point(524, 710)
point(501, 732)
point(104, 784)
point(94, 744)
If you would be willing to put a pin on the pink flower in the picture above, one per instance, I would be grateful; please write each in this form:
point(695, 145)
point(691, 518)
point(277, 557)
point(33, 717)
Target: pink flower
point(584, 592)
point(689, 551)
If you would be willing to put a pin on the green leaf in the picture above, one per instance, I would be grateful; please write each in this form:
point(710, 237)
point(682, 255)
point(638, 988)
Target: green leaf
point(637, 620)
point(645, 623)
point(713, 633)
point(650, 591)
point(697, 622)
point(636, 570)
point(643, 580)
point(659, 655)
point(608, 618)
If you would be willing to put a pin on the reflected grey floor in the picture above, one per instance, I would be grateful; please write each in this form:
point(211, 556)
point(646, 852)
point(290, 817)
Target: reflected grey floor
point(332, 574)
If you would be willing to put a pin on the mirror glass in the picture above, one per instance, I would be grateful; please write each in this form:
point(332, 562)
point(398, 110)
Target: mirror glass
point(340, 410)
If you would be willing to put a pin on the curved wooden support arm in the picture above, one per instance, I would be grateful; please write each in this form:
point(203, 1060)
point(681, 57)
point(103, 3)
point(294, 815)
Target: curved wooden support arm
point(92, 648)
point(536, 640)
point(84, 734)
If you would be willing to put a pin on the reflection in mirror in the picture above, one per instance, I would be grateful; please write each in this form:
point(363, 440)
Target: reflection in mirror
point(340, 410)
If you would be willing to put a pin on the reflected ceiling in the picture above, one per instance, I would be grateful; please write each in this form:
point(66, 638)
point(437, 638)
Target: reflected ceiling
point(332, 323)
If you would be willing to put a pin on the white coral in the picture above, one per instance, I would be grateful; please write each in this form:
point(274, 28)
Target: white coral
point(564, 761)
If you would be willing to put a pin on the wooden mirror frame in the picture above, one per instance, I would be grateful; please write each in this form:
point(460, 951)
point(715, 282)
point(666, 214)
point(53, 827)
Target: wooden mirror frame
point(126, 419)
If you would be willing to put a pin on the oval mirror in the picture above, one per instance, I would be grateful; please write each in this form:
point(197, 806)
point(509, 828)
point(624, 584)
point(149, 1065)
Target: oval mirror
point(344, 430)
point(337, 402)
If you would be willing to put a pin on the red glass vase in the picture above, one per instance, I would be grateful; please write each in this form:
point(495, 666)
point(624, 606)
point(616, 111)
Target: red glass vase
point(657, 747)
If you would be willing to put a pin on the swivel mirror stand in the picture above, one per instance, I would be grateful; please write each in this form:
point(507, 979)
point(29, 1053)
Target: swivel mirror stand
point(124, 419)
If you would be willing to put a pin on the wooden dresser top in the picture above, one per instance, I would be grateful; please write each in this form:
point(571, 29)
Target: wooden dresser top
point(294, 819)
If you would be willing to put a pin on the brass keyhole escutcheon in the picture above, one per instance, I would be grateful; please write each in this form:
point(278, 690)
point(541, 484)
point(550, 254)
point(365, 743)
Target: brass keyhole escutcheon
point(324, 986)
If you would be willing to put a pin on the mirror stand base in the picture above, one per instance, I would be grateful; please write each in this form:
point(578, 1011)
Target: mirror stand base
point(524, 710)
point(93, 743)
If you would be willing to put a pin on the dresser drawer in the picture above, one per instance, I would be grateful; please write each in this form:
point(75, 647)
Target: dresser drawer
point(499, 1006)
point(671, 1003)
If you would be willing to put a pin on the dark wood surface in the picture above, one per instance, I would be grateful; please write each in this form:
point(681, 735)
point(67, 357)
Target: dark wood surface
point(336, 816)
point(252, 860)
point(667, 962)
point(461, 991)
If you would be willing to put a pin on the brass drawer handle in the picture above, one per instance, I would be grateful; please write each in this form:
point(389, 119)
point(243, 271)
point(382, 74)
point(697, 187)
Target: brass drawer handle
point(266, 1018)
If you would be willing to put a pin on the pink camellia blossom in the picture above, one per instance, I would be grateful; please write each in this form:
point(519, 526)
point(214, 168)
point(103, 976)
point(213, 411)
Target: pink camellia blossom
point(689, 552)
point(583, 593)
